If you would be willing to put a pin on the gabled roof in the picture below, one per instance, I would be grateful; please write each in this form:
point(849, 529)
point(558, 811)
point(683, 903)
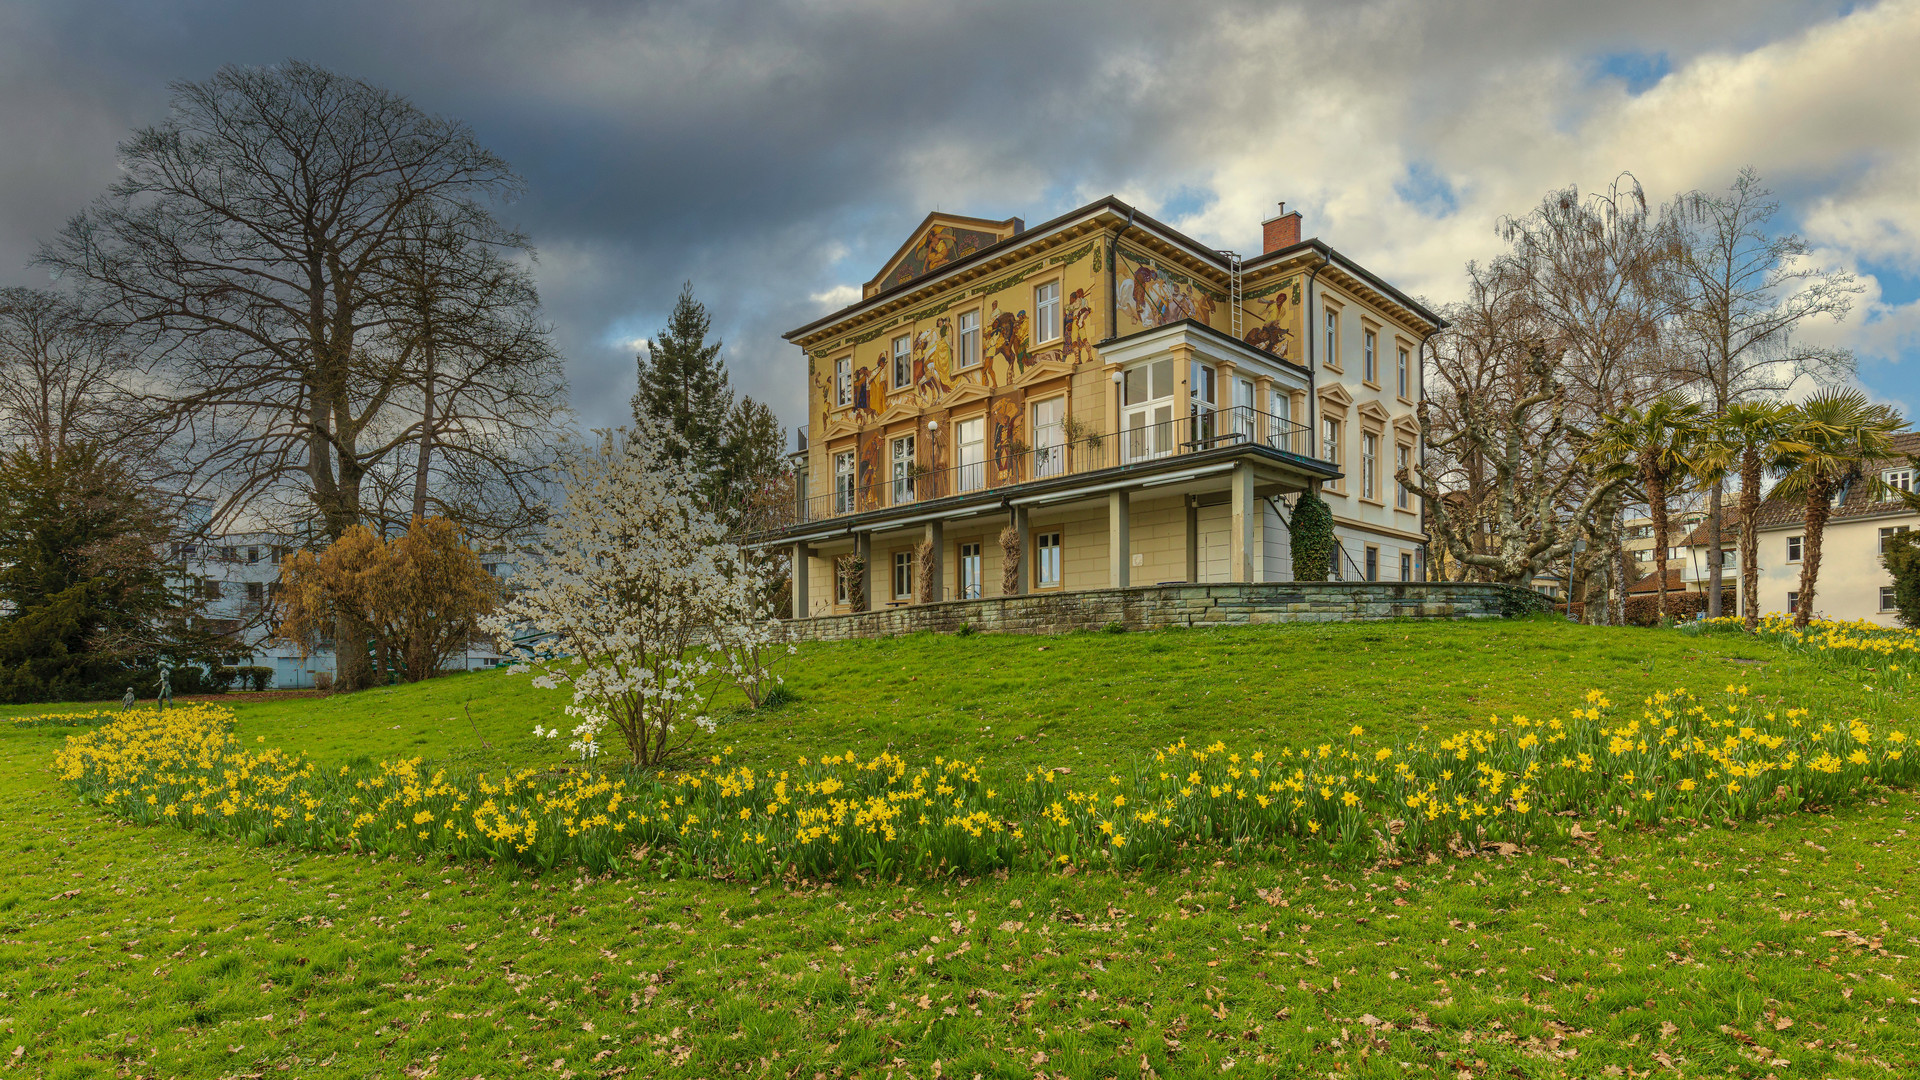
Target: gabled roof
point(1777, 513)
point(940, 239)
point(1676, 582)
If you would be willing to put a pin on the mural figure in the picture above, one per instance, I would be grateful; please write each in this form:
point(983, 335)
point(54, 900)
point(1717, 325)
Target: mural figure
point(868, 475)
point(1274, 335)
point(1009, 448)
point(933, 361)
point(1006, 339)
point(937, 247)
point(870, 390)
point(1078, 344)
point(1154, 299)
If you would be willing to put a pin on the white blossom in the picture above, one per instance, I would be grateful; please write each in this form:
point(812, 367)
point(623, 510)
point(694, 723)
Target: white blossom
point(646, 607)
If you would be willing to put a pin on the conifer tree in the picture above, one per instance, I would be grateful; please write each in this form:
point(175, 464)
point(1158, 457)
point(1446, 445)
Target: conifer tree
point(684, 388)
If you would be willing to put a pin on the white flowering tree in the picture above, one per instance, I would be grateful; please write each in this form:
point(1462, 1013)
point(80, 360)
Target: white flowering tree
point(646, 608)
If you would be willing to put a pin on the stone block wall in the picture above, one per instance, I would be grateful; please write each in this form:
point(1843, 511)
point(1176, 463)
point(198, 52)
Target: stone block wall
point(1147, 607)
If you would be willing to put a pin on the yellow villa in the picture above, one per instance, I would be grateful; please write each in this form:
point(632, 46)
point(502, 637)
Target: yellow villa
point(1100, 402)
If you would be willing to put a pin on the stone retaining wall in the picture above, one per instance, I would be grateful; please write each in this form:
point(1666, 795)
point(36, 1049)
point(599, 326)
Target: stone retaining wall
point(1146, 607)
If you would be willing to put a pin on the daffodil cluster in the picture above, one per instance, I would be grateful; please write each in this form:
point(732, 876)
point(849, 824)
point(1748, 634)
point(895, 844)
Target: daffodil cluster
point(1676, 758)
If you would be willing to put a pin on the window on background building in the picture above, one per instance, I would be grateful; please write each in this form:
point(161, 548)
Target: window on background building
point(903, 361)
point(969, 352)
point(843, 381)
point(1332, 358)
point(1403, 375)
point(1369, 465)
point(256, 591)
point(1793, 602)
point(1369, 367)
point(1898, 479)
point(1888, 534)
point(903, 575)
point(1406, 567)
point(970, 451)
point(253, 554)
point(1886, 598)
point(843, 482)
point(1793, 548)
point(1373, 563)
point(1046, 312)
point(903, 469)
point(1330, 441)
point(1046, 559)
point(1402, 455)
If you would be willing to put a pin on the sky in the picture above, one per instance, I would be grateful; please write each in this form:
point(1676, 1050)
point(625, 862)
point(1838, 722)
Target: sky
point(775, 154)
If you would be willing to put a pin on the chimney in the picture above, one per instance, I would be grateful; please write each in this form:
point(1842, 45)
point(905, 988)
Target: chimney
point(1280, 230)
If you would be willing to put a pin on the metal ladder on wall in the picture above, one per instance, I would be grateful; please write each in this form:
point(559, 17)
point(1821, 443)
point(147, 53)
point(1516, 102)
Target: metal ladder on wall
point(1233, 291)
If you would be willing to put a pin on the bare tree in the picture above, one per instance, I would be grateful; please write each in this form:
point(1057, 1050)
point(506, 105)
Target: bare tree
point(1742, 294)
point(65, 379)
point(254, 244)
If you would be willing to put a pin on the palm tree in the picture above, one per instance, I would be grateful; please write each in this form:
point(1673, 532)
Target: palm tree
point(1658, 444)
point(1836, 431)
point(1743, 441)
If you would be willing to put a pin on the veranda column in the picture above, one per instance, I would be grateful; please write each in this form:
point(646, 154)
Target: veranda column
point(863, 547)
point(802, 566)
point(1119, 546)
point(1193, 540)
point(1240, 537)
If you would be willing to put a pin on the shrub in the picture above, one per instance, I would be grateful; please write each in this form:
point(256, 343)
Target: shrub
point(1312, 537)
point(323, 681)
point(255, 677)
point(1644, 610)
point(1902, 560)
point(1115, 627)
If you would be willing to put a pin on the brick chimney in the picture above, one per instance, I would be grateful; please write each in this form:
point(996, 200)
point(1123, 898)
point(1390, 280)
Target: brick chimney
point(1280, 230)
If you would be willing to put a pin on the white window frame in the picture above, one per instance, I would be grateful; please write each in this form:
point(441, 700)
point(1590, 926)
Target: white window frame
point(1796, 548)
point(1402, 375)
point(1898, 479)
point(1369, 464)
point(1330, 435)
point(903, 361)
point(1889, 533)
point(1402, 460)
point(967, 330)
point(1406, 566)
point(1203, 400)
point(1046, 312)
point(1280, 407)
point(1047, 421)
point(1146, 410)
point(903, 575)
point(843, 382)
point(1046, 560)
point(969, 566)
point(1886, 598)
point(1793, 602)
point(900, 455)
point(1332, 337)
point(1370, 357)
point(970, 453)
point(846, 473)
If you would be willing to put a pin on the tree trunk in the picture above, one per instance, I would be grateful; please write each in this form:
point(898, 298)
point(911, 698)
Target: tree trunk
point(1657, 503)
point(1819, 505)
point(1623, 573)
point(426, 438)
point(352, 667)
point(1750, 538)
point(1714, 558)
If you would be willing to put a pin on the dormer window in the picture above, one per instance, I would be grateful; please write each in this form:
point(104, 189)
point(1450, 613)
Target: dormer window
point(1898, 479)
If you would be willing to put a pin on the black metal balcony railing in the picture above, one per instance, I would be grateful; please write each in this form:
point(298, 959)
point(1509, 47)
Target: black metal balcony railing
point(982, 469)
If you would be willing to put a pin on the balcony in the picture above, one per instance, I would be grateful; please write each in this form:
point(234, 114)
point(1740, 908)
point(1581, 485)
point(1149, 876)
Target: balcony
point(985, 473)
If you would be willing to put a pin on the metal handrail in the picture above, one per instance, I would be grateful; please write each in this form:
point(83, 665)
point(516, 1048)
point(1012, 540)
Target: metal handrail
point(1013, 464)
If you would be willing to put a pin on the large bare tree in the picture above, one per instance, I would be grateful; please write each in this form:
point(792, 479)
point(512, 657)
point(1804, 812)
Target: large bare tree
point(257, 244)
point(1742, 293)
point(65, 379)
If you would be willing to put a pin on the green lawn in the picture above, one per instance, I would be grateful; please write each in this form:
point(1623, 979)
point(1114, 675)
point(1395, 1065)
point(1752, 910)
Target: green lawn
point(1781, 947)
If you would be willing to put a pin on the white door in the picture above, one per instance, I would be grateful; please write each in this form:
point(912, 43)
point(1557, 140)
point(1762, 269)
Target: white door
point(970, 444)
point(1049, 438)
point(1146, 396)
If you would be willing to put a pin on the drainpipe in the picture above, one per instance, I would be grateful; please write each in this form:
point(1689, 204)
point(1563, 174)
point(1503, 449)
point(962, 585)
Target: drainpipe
point(1313, 369)
point(1113, 277)
point(1426, 547)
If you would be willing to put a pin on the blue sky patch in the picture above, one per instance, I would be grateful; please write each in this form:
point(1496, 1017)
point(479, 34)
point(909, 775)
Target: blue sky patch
point(1639, 70)
point(1426, 190)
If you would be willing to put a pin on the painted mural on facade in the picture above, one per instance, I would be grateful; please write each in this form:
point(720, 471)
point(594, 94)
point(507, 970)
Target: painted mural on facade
point(933, 361)
point(1004, 348)
point(869, 465)
point(1004, 418)
point(937, 247)
point(1269, 316)
point(1149, 295)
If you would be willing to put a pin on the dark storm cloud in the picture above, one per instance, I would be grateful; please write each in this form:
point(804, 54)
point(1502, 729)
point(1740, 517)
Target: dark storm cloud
point(769, 152)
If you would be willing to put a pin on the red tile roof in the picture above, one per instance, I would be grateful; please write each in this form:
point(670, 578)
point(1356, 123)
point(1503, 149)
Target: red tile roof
point(1776, 513)
point(1651, 583)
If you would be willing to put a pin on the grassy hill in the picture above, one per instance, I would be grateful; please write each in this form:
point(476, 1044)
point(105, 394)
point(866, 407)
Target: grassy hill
point(1776, 947)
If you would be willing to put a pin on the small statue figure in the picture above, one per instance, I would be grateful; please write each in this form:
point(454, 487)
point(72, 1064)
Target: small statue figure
point(166, 687)
point(127, 700)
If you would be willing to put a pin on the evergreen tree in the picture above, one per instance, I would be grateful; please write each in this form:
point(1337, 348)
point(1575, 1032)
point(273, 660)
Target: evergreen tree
point(684, 388)
point(1902, 560)
point(1312, 536)
point(83, 598)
